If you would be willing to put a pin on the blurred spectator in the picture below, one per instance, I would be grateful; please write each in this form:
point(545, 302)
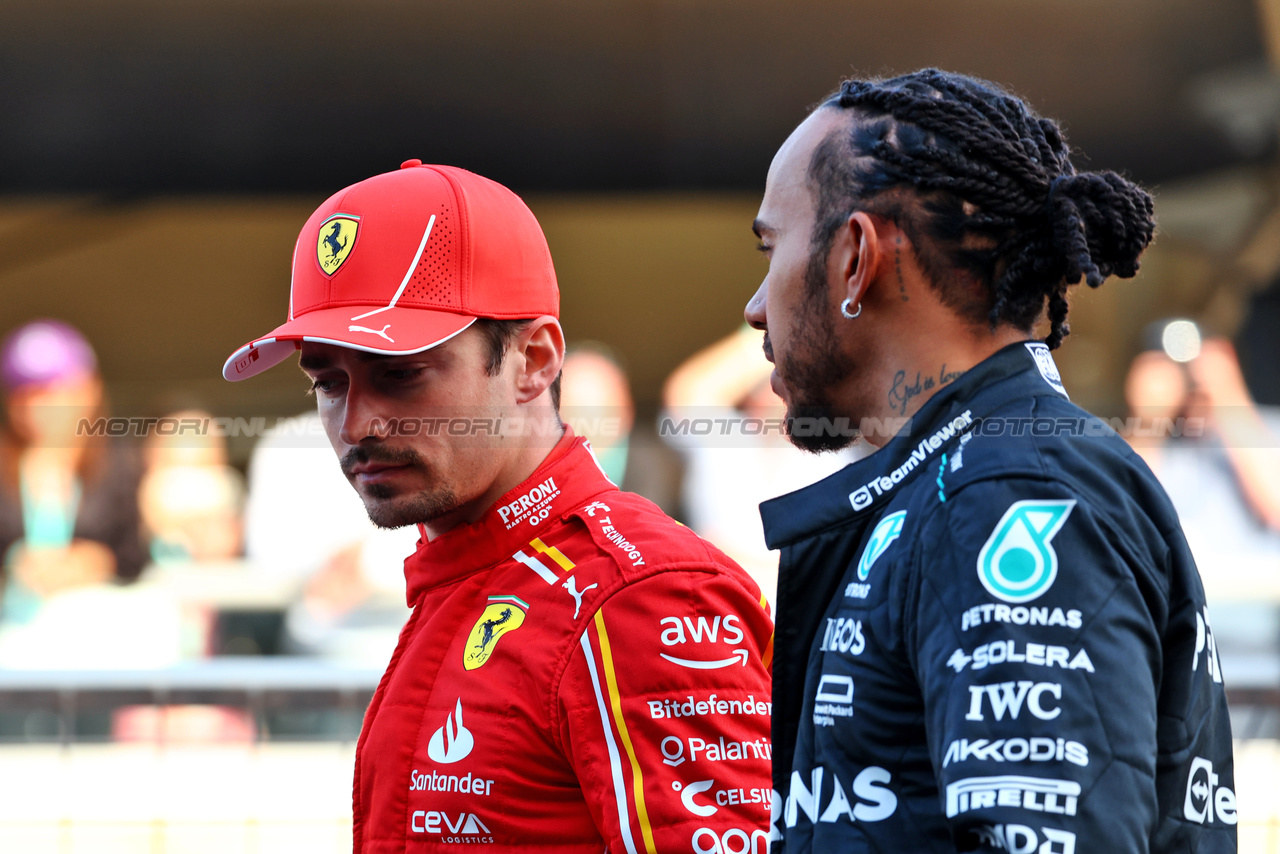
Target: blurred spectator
point(728, 475)
point(304, 521)
point(183, 724)
point(595, 399)
point(191, 498)
point(1224, 479)
point(68, 499)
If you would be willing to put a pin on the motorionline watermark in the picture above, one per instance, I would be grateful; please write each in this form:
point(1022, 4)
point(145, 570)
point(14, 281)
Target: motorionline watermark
point(1132, 427)
point(724, 429)
point(716, 428)
point(746, 430)
point(456, 425)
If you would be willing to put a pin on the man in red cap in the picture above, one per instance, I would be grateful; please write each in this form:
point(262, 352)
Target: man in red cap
point(579, 672)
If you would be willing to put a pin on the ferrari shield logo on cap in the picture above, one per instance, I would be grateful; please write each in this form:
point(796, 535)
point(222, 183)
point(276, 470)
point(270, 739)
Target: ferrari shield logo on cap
point(333, 245)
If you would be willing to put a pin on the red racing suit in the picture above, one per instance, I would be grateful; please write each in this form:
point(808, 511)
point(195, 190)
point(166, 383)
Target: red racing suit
point(580, 673)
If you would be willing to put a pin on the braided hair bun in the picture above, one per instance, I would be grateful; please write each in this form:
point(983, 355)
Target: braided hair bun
point(999, 195)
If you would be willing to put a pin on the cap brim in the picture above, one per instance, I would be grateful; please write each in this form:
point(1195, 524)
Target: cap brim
point(385, 331)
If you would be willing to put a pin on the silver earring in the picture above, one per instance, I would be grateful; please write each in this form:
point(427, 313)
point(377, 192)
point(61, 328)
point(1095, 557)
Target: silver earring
point(844, 309)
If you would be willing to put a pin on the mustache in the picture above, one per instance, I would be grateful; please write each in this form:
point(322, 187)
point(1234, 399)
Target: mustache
point(361, 454)
point(767, 346)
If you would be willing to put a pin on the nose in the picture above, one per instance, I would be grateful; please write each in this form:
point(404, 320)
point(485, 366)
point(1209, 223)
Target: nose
point(361, 418)
point(754, 312)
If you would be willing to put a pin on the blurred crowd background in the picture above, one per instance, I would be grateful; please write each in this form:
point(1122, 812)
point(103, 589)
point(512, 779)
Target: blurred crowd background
point(193, 600)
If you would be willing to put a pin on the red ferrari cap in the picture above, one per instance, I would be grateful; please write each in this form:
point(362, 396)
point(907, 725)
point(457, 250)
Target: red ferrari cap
point(403, 261)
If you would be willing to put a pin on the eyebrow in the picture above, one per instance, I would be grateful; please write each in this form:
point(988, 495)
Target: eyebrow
point(759, 226)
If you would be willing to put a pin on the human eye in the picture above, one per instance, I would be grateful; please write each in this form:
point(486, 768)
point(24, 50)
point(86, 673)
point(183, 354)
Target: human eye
point(322, 386)
point(403, 375)
point(763, 248)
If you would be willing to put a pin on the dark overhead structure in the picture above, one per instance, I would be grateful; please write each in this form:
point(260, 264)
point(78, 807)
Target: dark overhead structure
point(153, 96)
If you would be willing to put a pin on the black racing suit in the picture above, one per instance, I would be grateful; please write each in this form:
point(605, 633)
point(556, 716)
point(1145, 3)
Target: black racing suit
point(991, 635)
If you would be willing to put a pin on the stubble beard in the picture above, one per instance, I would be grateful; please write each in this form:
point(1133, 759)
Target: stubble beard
point(387, 508)
point(813, 367)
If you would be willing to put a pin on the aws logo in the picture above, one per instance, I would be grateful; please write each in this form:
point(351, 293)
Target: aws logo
point(721, 629)
point(503, 614)
point(335, 241)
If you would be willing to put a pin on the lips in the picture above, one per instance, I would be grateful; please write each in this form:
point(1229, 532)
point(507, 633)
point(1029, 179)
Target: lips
point(368, 469)
point(370, 475)
point(365, 466)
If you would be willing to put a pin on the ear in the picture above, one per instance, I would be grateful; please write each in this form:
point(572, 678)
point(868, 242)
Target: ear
point(861, 257)
point(541, 348)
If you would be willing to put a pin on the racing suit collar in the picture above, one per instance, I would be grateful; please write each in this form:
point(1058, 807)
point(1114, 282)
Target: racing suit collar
point(565, 480)
point(1023, 369)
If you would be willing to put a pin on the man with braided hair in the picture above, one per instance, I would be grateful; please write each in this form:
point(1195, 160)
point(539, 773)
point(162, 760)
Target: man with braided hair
point(991, 634)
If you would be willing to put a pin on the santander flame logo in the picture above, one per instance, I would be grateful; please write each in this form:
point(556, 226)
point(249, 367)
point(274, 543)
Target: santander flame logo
point(453, 741)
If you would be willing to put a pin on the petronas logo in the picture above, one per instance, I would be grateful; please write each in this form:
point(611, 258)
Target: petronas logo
point(1017, 562)
point(881, 538)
